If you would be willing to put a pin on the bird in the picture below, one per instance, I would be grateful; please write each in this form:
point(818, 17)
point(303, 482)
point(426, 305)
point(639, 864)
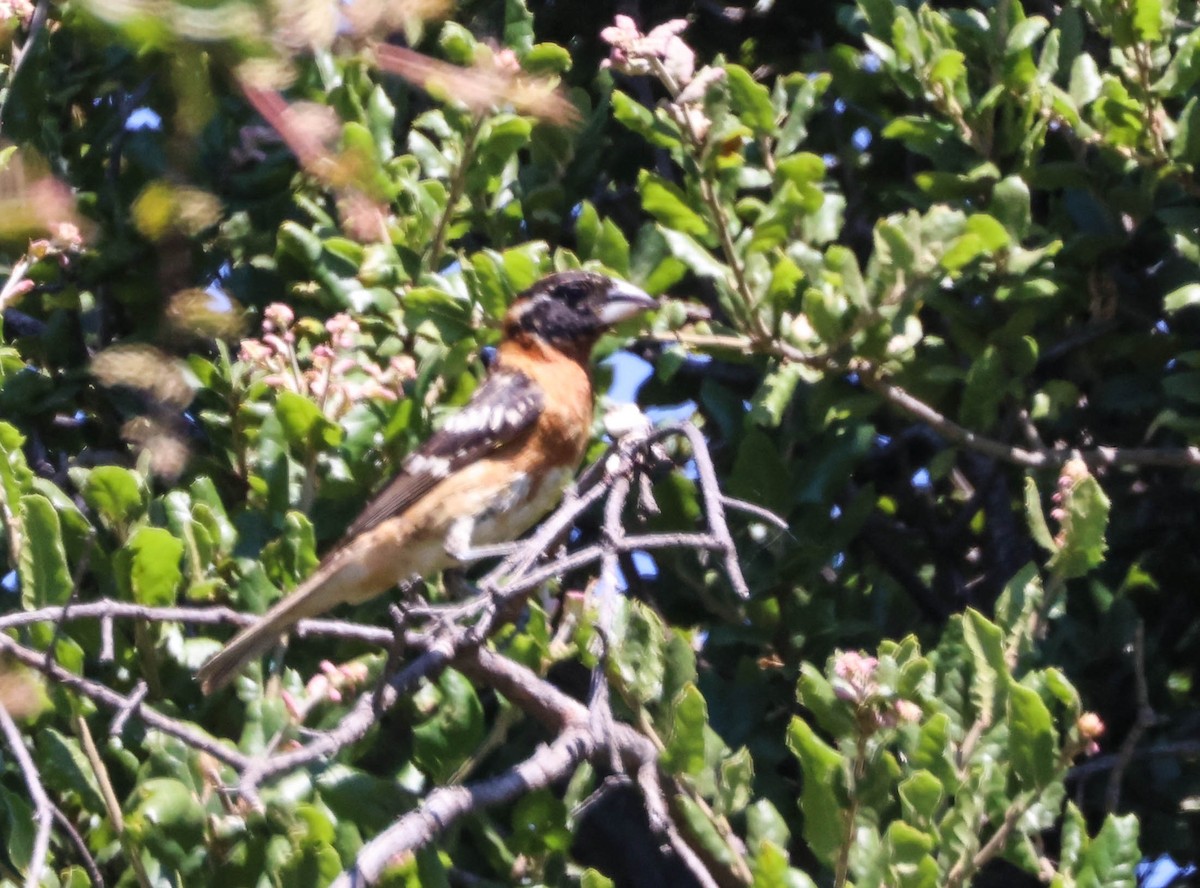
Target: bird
point(486, 476)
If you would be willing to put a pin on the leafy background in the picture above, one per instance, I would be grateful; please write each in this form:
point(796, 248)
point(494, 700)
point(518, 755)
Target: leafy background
point(947, 256)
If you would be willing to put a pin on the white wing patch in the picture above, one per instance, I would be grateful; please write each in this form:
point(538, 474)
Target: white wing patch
point(505, 406)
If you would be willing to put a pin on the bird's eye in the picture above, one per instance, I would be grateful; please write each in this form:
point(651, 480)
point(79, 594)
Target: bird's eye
point(573, 294)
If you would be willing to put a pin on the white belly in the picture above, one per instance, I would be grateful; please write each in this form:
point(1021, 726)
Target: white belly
point(508, 516)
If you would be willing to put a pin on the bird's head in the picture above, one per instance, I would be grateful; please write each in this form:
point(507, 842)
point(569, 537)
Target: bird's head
point(571, 309)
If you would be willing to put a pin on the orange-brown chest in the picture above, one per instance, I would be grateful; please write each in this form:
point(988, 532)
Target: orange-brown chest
point(562, 431)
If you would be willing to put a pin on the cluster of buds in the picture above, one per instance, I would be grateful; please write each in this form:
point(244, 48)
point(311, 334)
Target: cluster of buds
point(19, 10)
point(331, 684)
point(875, 707)
point(1091, 729)
point(333, 373)
point(1073, 472)
point(664, 55)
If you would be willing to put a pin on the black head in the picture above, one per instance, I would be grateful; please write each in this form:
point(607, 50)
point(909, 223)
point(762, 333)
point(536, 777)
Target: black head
point(572, 308)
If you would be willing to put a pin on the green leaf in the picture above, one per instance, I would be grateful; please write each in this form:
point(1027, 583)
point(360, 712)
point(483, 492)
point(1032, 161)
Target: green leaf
point(1011, 205)
point(735, 783)
point(1025, 34)
point(594, 879)
point(803, 168)
point(641, 120)
point(1085, 521)
point(815, 693)
point(985, 386)
point(518, 26)
point(1021, 597)
point(684, 753)
point(963, 250)
point(1183, 70)
point(42, 564)
point(825, 312)
point(1086, 83)
point(15, 476)
point(768, 865)
point(1147, 19)
point(288, 559)
point(985, 641)
point(1036, 518)
point(19, 828)
point(152, 557)
point(539, 824)
point(775, 394)
point(701, 827)
point(638, 654)
point(947, 67)
point(668, 204)
point(821, 766)
point(499, 143)
point(760, 473)
point(1186, 146)
point(66, 769)
point(547, 58)
point(1182, 297)
point(1032, 739)
point(1074, 839)
point(764, 823)
point(115, 494)
point(921, 795)
point(693, 254)
point(455, 729)
point(751, 100)
point(1113, 854)
point(304, 425)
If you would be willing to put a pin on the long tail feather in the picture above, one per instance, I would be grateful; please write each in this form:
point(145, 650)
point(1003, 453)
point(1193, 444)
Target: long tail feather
point(317, 594)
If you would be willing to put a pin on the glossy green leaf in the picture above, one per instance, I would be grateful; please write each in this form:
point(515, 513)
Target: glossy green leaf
point(454, 731)
point(115, 494)
point(1083, 528)
point(304, 425)
point(1032, 739)
point(820, 766)
point(152, 557)
point(667, 203)
point(751, 100)
point(45, 576)
point(685, 742)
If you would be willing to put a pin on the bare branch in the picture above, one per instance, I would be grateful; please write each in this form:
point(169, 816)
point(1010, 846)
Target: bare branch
point(873, 378)
point(107, 609)
point(106, 696)
point(43, 809)
point(445, 805)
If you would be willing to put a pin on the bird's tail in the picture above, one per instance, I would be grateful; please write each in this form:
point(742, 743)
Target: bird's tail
point(315, 595)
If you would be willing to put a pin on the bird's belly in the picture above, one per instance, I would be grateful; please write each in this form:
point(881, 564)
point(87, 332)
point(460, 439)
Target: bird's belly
point(507, 515)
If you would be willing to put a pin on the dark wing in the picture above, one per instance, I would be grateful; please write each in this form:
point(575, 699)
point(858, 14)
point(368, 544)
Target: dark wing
point(507, 404)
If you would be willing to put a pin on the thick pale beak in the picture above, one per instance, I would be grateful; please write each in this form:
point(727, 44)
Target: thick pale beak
point(623, 301)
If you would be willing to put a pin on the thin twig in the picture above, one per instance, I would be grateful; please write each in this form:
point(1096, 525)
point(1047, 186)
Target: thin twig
point(37, 23)
point(109, 795)
point(1146, 717)
point(458, 184)
point(43, 809)
point(81, 848)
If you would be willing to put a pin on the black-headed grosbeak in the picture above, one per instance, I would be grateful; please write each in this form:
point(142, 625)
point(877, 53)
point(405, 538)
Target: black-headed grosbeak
point(488, 475)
